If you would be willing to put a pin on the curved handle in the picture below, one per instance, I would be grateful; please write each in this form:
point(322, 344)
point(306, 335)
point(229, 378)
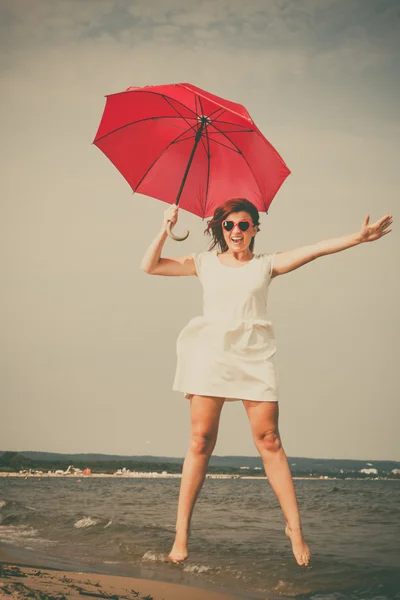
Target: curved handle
point(173, 236)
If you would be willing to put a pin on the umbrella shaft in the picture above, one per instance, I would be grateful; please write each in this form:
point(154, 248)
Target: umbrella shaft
point(196, 141)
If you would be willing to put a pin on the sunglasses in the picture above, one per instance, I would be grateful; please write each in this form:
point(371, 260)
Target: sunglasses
point(243, 225)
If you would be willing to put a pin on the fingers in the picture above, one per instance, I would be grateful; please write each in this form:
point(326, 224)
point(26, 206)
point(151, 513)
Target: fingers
point(171, 214)
point(388, 221)
point(384, 221)
point(380, 226)
point(384, 224)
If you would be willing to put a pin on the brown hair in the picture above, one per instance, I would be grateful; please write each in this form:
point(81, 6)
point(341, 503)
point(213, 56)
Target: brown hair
point(214, 227)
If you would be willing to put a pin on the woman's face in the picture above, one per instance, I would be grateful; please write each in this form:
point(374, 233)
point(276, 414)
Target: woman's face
point(236, 239)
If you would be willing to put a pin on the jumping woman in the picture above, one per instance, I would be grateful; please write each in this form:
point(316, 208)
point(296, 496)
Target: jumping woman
point(228, 353)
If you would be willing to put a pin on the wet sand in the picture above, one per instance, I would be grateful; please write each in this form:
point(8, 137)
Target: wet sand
point(21, 582)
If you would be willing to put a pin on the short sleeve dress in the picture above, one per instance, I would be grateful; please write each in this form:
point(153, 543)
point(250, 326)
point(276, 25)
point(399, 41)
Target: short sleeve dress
point(228, 352)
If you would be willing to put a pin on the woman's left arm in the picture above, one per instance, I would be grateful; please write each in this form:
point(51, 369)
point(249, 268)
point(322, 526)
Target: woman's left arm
point(284, 262)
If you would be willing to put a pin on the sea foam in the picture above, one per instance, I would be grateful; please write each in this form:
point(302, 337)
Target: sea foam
point(196, 568)
point(154, 556)
point(21, 535)
point(85, 522)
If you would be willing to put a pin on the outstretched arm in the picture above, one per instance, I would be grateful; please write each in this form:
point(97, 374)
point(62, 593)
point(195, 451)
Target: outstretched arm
point(155, 265)
point(293, 259)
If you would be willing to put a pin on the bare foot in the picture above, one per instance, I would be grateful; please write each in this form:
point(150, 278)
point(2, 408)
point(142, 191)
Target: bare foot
point(300, 549)
point(179, 551)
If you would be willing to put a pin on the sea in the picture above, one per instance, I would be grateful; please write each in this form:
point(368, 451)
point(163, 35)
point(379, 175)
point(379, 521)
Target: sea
point(125, 526)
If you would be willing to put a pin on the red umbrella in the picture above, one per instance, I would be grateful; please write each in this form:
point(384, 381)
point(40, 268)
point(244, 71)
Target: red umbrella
point(181, 144)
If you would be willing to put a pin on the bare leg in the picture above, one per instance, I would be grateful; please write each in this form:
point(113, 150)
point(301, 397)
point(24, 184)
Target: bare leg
point(263, 417)
point(204, 413)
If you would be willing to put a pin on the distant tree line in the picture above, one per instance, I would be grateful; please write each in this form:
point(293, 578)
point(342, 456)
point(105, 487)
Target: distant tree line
point(12, 461)
point(15, 461)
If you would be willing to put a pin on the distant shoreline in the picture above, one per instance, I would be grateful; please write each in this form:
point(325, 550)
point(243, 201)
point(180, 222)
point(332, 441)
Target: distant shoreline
point(146, 475)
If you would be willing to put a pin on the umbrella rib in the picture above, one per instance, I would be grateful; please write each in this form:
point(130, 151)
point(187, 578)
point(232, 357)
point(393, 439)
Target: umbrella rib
point(183, 139)
point(209, 139)
point(186, 139)
point(233, 130)
point(141, 91)
point(208, 164)
point(201, 139)
point(189, 138)
point(201, 113)
point(224, 145)
point(230, 123)
point(134, 123)
point(210, 100)
point(158, 158)
point(174, 108)
point(215, 111)
point(247, 162)
point(202, 142)
point(196, 98)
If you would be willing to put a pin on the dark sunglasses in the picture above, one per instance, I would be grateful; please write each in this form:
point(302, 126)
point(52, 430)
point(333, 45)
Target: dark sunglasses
point(243, 225)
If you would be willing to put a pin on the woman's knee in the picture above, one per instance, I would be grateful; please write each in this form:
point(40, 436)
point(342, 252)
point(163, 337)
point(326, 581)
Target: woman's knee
point(202, 443)
point(268, 441)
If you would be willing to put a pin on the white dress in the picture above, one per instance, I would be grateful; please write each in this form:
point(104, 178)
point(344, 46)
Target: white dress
point(229, 351)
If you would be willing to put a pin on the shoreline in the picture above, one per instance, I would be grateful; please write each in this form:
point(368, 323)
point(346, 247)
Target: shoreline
point(22, 582)
point(121, 581)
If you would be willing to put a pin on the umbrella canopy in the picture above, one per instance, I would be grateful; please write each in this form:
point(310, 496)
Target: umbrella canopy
point(179, 143)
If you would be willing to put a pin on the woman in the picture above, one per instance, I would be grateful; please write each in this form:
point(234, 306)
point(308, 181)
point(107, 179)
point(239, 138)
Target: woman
point(228, 353)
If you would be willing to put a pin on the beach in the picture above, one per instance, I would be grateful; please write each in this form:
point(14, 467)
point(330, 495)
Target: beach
point(17, 582)
point(20, 582)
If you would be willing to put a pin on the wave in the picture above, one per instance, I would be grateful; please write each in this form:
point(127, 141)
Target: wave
point(192, 568)
point(86, 522)
point(154, 556)
point(22, 535)
point(196, 568)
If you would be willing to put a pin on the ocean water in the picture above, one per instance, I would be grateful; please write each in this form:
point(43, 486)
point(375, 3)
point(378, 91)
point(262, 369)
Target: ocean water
point(126, 526)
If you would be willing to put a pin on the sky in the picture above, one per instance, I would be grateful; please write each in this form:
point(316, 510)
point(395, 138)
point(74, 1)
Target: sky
point(88, 344)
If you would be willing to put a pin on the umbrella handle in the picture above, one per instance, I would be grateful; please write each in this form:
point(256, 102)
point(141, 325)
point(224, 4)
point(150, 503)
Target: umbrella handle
point(173, 236)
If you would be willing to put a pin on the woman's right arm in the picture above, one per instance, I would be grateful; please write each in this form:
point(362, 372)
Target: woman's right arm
point(152, 262)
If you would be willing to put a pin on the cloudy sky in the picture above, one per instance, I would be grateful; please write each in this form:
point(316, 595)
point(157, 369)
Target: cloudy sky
point(88, 340)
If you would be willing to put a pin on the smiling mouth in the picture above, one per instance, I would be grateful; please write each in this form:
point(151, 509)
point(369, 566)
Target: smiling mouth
point(236, 240)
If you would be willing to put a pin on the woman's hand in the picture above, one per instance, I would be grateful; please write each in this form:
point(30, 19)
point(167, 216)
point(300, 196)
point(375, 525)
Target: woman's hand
point(171, 214)
point(288, 261)
point(369, 233)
